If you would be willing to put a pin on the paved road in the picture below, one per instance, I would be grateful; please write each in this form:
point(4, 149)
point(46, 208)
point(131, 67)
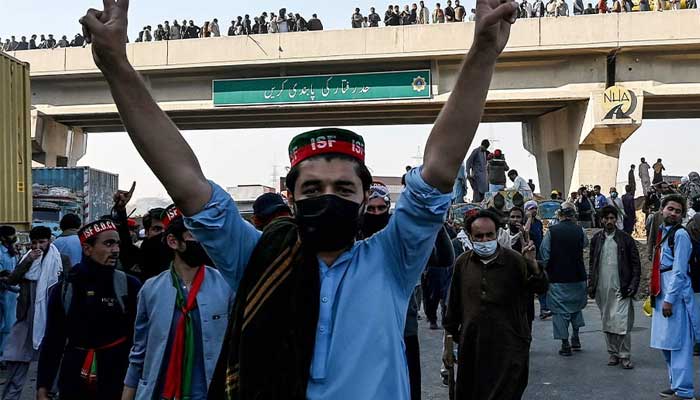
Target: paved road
point(582, 377)
point(585, 376)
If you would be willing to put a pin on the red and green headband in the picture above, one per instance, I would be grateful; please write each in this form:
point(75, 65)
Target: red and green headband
point(169, 214)
point(326, 141)
point(95, 228)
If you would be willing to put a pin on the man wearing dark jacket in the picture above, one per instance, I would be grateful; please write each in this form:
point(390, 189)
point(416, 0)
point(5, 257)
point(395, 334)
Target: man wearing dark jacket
point(613, 280)
point(154, 256)
point(90, 322)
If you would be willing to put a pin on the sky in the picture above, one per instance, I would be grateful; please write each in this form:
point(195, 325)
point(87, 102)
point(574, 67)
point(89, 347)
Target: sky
point(254, 156)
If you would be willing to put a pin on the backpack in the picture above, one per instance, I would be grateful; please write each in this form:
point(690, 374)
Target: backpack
point(119, 282)
point(694, 270)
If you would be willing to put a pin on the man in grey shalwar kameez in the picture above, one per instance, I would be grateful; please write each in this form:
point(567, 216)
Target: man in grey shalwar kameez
point(32, 275)
point(613, 281)
point(476, 171)
point(562, 256)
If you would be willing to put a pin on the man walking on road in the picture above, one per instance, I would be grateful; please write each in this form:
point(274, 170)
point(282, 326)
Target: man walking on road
point(613, 280)
point(310, 300)
point(487, 314)
point(674, 325)
point(562, 255)
point(631, 181)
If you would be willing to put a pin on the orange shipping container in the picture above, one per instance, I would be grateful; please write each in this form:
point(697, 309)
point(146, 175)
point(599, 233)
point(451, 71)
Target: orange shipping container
point(15, 144)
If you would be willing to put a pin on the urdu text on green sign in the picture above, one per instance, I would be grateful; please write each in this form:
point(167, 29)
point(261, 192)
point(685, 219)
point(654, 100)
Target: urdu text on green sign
point(323, 88)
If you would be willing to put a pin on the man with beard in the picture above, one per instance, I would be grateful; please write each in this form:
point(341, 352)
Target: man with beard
point(267, 208)
point(310, 300)
point(613, 281)
point(487, 313)
point(562, 256)
point(153, 256)
point(90, 322)
point(35, 274)
point(8, 298)
point(190, 301)
point(673, 324)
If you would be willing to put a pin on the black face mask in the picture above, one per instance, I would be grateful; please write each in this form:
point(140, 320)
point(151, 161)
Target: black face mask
point(195, 255)
point(156, 254)
point(373, 223)
point(328, 222)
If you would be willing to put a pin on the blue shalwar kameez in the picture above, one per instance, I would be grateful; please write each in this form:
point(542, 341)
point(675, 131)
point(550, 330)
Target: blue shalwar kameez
point(676, 334)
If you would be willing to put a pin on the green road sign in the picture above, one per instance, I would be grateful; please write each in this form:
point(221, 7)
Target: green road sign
point(323, 88)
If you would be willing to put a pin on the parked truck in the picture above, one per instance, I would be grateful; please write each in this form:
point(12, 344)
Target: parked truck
point(71, 190)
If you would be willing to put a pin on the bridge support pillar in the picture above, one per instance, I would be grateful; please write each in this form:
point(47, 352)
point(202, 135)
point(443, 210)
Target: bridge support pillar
point(577, 146)
point(55, 144)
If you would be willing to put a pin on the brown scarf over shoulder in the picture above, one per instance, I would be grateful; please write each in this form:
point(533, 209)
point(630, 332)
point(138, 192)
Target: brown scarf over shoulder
point(269, 342)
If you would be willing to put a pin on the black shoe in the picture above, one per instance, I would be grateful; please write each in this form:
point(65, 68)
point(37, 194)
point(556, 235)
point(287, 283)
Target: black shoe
point(545, 314)
point(434, 326)
point(667, 393)
point(565, 349)
point(575, 344)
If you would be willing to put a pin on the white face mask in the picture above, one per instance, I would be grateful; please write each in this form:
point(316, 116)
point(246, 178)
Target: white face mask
point(485, 249)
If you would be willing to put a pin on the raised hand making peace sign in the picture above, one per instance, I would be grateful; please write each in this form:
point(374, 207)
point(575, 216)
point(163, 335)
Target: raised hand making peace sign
point(493, 21)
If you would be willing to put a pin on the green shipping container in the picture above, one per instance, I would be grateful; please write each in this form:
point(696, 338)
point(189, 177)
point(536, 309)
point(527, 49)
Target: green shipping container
point(15, 144)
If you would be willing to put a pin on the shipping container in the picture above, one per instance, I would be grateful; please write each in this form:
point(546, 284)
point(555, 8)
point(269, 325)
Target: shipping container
point(15, 144)
point(93, 187)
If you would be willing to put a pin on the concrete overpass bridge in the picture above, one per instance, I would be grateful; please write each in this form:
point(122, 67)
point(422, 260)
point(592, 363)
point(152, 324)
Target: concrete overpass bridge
point(552, 78)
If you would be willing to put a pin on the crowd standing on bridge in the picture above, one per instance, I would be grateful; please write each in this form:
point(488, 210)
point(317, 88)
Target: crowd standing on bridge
point(210, 305)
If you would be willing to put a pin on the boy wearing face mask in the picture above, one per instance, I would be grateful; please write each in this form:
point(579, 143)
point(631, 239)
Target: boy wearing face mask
point(190, 302)
point(487, 313)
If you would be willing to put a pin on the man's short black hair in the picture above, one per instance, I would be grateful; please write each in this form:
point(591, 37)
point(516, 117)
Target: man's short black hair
point(7, 231)
point(607, 210)
point(675, 198)
point(513, 172)
point(485, 143)
point(70, 221)
point(596, 187)
point(40, 233)
point(518, 209)
point(154, 213)
point(360, 169)
point(482, 214)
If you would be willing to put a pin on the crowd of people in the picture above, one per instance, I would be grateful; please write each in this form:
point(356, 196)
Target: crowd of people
point(280, 22)
point(317, 296)
point(42, 42)
point(419, 13)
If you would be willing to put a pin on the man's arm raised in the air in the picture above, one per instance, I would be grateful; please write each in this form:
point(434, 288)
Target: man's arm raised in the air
point(155, 136)
point(456, 125)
